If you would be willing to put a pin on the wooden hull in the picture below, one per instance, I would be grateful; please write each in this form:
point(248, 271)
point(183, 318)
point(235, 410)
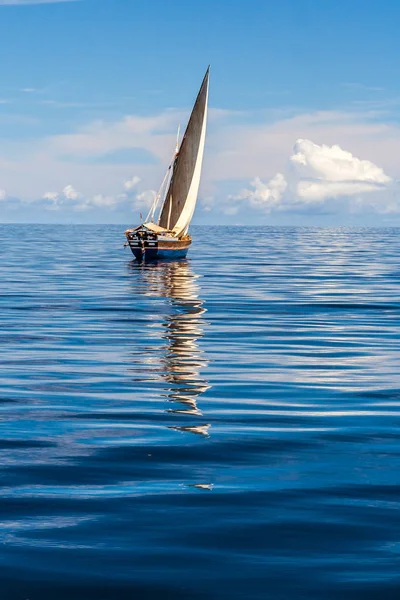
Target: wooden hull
point(155, 249)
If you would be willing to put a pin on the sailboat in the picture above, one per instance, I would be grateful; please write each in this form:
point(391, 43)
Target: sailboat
point(167, 236)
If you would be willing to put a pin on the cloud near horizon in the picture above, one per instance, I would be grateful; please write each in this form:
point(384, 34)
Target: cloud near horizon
point(317, 174)
point(70, 200)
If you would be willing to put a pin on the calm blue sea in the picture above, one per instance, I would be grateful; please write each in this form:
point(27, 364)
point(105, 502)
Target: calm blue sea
point(221, 427)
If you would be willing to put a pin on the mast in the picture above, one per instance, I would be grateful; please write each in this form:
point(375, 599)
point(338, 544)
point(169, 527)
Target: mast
point(181, 197)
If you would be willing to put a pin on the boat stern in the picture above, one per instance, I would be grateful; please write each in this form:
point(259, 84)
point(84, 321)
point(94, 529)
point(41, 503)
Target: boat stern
point(149, 245)
point(142, 242)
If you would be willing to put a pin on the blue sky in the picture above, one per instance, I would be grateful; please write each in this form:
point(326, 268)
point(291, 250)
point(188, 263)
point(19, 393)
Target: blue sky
point(304, 120)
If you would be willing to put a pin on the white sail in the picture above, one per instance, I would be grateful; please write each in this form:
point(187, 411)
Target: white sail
point(183, 222)
point(180, 201)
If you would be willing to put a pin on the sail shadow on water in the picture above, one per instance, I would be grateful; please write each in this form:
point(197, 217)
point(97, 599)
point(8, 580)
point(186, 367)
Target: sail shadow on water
point(182, 361)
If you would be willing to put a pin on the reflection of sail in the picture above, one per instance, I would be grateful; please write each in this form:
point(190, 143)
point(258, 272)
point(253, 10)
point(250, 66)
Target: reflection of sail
point(182, 359)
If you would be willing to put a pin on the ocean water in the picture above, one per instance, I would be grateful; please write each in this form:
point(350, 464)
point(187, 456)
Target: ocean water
point(221, 427)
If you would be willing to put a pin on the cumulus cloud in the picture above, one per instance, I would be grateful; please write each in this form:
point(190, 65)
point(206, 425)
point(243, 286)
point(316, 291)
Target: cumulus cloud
point(138, 200)
point(145, 199)
point(330, 172)
point(317, 174)
point(238, 149)
point(265, 195)
point(3, 195)
point(72, 200)
point(56, 200)
point(131, 183)
point(70, 193)
point(50, 196)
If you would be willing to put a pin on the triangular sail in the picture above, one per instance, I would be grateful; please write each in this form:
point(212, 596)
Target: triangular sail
point(181, 197)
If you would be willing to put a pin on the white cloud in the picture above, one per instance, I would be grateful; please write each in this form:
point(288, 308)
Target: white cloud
point(319, 191)
point(70, 199)
point(239, 146)
point(50, 196)
point(138, 201)
point(3, 195)
point(70, 193)
point(261, 143)
point(101, 138)
point(266, 196)
point(330, 172)
point(144, 199)
point(27, 167)
point(98, 201)
point(131, 183)
point(68, 196)
point(320, 173)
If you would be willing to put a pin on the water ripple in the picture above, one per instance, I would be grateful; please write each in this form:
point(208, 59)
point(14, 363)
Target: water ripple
point(221, 427)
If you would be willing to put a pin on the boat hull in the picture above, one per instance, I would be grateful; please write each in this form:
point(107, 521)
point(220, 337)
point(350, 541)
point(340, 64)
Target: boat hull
point(154, 249)
point(150, 254)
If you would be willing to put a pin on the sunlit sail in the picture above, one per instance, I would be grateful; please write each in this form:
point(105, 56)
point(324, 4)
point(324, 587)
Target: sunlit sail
point(168, 237)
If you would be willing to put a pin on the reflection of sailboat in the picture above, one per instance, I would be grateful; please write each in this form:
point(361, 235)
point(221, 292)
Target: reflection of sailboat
point(169, 238)
point(182, 360)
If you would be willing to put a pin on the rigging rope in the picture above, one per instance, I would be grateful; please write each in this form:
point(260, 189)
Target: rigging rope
point(153, 208)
